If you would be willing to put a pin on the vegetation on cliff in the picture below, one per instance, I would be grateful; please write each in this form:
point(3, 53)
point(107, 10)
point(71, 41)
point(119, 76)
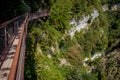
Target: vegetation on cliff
point(51, 54)
point(55, 55)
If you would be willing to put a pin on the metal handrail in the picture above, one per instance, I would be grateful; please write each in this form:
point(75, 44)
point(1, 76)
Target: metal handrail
point(17, 21)
point(13, 75)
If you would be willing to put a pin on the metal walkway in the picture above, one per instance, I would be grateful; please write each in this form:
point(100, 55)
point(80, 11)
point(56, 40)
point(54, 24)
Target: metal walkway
point(12, 45)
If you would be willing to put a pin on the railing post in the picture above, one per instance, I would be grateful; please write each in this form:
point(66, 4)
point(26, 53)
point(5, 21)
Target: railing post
point(5, 36)
point(15, 28)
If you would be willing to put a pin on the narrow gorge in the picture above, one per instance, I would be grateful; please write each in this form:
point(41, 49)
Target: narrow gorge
point(78, 40)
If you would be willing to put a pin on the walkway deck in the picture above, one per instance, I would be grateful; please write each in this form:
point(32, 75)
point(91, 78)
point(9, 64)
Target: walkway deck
point(12, 59)
point(6, 66)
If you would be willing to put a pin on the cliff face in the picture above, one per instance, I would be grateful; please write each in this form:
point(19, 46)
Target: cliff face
point(110, 66)
point(70, 43)
point(76, 33)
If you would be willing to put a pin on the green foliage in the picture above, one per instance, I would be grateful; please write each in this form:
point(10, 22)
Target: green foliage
point(64, 45)
point(80, 74)
point(51, 39)
point(58, 18)
point(47, 70)
point(109, 1)
point(35, 5)
point(74, 75)
point(88, 76)
point(94, 39)
point(114, 28)
point(30, 72)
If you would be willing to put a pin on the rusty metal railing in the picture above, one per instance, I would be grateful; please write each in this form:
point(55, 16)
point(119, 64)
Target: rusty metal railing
point(8, 32)
point(9, 29)
point(40, 14)
point(17, 57)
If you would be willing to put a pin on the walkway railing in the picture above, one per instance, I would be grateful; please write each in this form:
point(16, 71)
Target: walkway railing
point(8, 32)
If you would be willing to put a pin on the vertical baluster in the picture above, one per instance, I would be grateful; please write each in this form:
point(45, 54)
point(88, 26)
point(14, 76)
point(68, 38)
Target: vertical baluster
point(5, 36)
point(1, 40)
point(19, 21)
point(15, 27)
